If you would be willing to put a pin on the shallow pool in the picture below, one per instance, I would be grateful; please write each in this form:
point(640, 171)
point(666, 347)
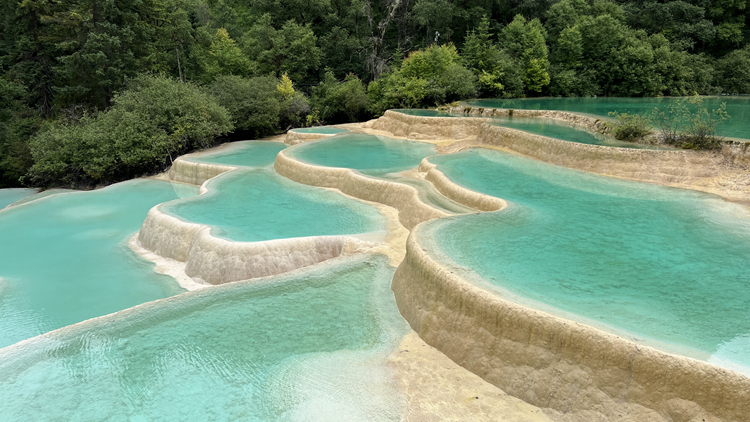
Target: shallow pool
point(256, 205)
point(567, 132)
point(323, 130)
point(738, 126)
point(552, 128)
point(64, 258)
point(370, 154)
point(311, 347)
point(9, 196)
point(243, 153)
point(662, 264)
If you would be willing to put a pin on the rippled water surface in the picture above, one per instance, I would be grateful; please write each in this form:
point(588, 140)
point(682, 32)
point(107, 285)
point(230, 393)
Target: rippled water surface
point(738, 126)
point(373, 155)
point(664, 264)
point(309, 347)
point(256, 205)
point(64, 258)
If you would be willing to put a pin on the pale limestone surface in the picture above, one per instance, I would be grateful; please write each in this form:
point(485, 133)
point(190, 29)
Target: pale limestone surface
point(577, 370)
point(188, 172)
point(294, 138)
point(681, 168)
point(437, 389)
point(573, 371)
point(404, 198)
point(458, 193)
point(589, 122)
point(192, 255)
point(417, 127)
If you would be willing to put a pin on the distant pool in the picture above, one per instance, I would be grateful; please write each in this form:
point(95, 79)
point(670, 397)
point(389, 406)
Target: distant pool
point(662, 264)
point(542, 126)
point(257, 205)
point(370, 154)
point(313, 346)
point(323, 130)
point(64, 258)
point(738, 126)
point(244, 153)
point(9, 196)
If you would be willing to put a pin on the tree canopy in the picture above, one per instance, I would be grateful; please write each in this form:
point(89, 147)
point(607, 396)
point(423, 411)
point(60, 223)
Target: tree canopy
point(68, 61)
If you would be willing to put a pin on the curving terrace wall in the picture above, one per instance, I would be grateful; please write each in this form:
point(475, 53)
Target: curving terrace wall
point(589, 122)
point(419, 127)
point(216, 261)
point(458, 193)
point(551, 362)
point(294, 138)
point(186, 171)
point(213, 260)
point(697, 170)
point(404, 198)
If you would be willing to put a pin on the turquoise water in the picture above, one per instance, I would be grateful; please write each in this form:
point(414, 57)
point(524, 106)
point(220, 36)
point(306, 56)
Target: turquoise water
point(324, 130)
point(738, 126)
point(425, 112)
point(559, 130)
point(373, 155)
point(542, 126)
point(64, 258)
point(256, 205)
point(244, 153)
point(310, 347)
point(9, 196)
point(663, 264)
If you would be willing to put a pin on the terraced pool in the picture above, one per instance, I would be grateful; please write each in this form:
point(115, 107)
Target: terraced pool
point(243, 153)
point(312, 346)
point(738, 126)
point(256, 205)
point(369, 154)
point(64, 258)
point(661, 264)
point(9, 196)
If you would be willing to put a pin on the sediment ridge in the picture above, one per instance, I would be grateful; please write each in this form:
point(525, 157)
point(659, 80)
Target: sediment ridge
point(458, 193)
point(418, 127)
point(555, 363)
point(592, 123)
point(404, 198)
point(207, 259)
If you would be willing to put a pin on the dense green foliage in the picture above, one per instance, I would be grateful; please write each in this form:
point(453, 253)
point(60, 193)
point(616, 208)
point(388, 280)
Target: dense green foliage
point(66, 64)
point(685, 124)
point(689, 124)
point(151, 123)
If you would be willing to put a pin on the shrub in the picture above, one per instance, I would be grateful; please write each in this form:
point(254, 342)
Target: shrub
point(689, 124)
point(426, 78)
point(253, 103)
point(630, 127)
point(337, 101)
point(153, 121)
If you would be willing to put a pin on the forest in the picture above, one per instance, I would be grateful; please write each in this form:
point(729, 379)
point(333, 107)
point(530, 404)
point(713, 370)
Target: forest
point(98, 91)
